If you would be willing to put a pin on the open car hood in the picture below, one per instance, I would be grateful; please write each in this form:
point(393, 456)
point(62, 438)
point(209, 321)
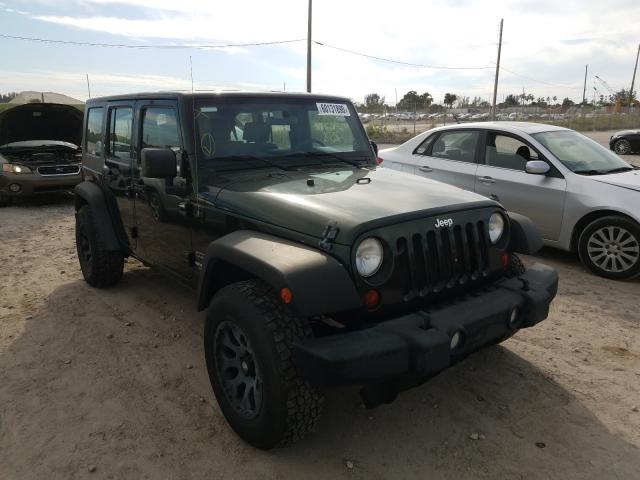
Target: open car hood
point(41, 121)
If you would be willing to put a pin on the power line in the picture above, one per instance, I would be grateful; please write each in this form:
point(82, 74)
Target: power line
point(536, 80)
point(399, 62)
point(142, 46)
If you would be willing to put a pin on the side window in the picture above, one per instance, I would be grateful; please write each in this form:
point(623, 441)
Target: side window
point(424, 146)
point(460, 146)
point(508, 152)
point(160, 128)
point(120, 126)
point(93, 136)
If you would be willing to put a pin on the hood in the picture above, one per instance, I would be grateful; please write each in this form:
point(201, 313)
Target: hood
point(630, 179)
point(358, 200)
point(626, 132)
point(41, 121)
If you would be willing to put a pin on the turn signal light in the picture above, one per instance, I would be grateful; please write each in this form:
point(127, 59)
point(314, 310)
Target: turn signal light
point(286, 295)
point(372, 299)
point(379, 160)
point(505, 259)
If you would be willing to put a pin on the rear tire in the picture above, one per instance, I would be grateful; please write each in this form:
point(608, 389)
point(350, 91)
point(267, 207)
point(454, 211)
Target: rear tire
point(610, 247)
point(100, 268)
point(247, 341)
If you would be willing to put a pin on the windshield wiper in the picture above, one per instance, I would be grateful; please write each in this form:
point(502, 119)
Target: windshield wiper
point(253, 157)
point(602, 172)
point(325, 154)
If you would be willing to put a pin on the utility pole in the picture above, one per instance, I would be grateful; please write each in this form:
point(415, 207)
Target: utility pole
point(309, 50)
point(88, 86)
point(495, 84)
point(584, 90)
point(633, 80)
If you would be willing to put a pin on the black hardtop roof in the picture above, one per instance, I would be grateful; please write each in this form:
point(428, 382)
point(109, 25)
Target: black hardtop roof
point(175, 95)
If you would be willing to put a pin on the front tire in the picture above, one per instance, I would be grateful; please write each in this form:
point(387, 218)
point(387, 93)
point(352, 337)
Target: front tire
point(247, 341)
point(622, 146)
point(610, 247)
point(100, 268)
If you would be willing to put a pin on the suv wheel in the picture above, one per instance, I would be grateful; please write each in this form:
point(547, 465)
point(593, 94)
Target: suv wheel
point(622, 147)
point(247, 341)
point(100, 267)
point(610, 247)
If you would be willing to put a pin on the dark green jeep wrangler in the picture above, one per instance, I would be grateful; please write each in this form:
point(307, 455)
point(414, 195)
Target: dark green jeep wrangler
point(316, 266)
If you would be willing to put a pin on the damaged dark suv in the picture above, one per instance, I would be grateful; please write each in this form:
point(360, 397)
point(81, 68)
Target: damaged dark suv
point(316, 266)
point(39, 149)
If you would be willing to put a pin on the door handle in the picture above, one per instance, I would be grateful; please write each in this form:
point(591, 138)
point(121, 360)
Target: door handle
point(487, 180)
point(425, 168)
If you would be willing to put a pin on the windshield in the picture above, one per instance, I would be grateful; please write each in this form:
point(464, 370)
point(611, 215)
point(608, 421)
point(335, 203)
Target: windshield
point(287, 133)
point(581, 154)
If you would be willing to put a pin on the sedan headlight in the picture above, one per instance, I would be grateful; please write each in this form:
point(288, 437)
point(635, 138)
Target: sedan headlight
point(496, 227)
point(11, 168)
point(369, 256)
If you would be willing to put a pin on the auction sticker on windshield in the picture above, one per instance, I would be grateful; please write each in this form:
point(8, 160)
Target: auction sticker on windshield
point(336, 109)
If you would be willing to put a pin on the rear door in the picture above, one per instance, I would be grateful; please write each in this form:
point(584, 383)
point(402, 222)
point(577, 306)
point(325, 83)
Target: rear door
point(502, 177)
point(451, 157)
point(118, 162)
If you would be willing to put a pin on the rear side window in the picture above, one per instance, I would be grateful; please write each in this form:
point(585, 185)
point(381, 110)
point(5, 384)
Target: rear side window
point(120, 126)
point(160, 128)
point(93, 136)
point(424, 146)
point(460, 146)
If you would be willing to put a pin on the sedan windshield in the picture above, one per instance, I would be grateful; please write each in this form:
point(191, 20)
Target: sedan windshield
point(286, 133)
point(581, 154)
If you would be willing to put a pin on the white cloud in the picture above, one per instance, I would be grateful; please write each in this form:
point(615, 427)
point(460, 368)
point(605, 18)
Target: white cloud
point(543, 39)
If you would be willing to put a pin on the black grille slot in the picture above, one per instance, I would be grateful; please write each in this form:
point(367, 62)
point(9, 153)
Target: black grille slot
point(58, 170)
point(442, 258)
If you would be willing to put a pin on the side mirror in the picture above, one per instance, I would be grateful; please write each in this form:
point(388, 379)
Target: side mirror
point(374, 145)
point(159, 163)
point(537, 167)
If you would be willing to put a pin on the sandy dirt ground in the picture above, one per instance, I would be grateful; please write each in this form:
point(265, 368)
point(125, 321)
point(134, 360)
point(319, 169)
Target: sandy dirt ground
point(112, 384)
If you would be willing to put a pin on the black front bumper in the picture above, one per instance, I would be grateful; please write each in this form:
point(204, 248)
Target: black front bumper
point(419, 344)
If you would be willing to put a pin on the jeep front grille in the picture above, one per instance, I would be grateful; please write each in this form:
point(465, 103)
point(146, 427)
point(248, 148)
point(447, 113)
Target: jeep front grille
point(442, 258)
point(50, 170)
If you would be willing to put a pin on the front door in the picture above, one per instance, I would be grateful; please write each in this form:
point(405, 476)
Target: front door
point(161, 206)
point(502, 177)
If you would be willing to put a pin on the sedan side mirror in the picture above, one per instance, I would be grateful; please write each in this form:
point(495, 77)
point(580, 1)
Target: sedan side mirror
point(159, 163)
point(537, 167)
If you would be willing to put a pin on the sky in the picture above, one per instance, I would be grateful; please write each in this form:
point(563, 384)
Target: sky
point(546, 44)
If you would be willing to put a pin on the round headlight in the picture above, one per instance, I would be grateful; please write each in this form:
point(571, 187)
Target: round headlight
point(369, 257)
point(496, 227)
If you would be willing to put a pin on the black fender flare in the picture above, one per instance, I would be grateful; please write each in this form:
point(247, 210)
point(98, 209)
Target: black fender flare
point(320, 284)
point(111, 230)
point(525, 237)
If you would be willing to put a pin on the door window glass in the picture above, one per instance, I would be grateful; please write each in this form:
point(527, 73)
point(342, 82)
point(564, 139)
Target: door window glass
point(508, 152)
point(424, 146)
point(94, 131)
point(121, 124)
point(460, 146)
point(160, 128)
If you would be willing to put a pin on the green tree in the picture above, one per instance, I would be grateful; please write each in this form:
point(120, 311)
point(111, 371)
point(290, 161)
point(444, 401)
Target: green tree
point(374, 102)
point(411, 100)
point(567, 102)
point(449, 99)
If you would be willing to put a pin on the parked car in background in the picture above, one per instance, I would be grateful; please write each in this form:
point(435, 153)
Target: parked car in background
point(582, 197)
point(625, 142)
point(39, 149)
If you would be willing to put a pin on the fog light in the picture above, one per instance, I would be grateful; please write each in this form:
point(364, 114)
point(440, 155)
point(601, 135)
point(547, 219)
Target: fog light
point(15, 188)
point(456, 340)
point(515, 318)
